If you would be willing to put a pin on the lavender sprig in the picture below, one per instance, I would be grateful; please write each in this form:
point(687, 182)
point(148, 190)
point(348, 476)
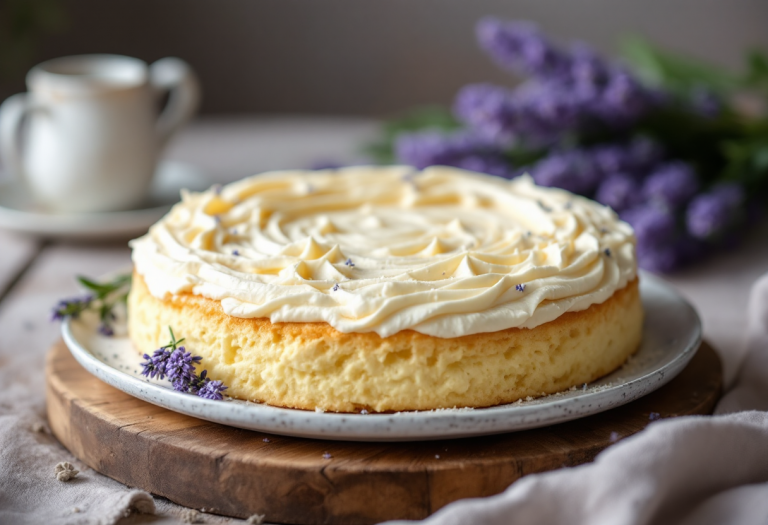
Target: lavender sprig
point(173, 361)
point(711, 214)
point(461, 150)
point(181, 365)
point(212, 390)
point(155, 364)
point(71, 307)
point(103, 299)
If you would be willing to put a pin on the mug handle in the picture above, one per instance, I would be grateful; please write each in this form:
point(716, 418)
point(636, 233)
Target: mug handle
point(177, 78)
point(12, 113)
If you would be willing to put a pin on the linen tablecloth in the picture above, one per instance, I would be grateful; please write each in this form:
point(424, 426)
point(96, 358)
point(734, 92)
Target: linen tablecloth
point(703, 470)
point(690, 470)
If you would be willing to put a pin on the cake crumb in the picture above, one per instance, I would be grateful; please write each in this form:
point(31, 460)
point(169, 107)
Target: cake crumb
point(363, 411)
point(529, 398)
point(191, 516)
point(76, 510)
point(319, 410)
point(256, 519)
point(65, 471)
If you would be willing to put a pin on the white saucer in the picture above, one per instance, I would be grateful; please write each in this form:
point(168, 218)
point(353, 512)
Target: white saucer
point(17, 213)
point(671, 336)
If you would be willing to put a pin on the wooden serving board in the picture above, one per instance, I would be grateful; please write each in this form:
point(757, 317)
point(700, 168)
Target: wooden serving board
point(239, 472)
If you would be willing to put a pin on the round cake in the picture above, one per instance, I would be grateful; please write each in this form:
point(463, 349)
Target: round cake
point(389, 289)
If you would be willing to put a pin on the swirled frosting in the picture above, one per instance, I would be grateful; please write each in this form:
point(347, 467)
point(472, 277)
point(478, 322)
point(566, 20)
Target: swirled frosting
point(443, 251)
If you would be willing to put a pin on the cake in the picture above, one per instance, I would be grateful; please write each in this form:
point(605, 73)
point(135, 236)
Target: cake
point(389, 289)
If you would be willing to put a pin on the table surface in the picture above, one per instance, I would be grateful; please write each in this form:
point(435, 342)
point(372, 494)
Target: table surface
point(34, 274)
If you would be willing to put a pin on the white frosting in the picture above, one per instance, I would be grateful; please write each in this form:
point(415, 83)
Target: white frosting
point(441, 251)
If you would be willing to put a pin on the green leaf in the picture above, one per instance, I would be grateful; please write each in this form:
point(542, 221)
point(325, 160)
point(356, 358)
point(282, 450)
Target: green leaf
point(746, 162)
point(757, 71)
point(104, 289)
point(99, 289)
point(673, 72)
point(174, 343)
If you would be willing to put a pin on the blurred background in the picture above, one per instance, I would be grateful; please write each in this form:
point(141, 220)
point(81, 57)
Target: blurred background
point(346, 57)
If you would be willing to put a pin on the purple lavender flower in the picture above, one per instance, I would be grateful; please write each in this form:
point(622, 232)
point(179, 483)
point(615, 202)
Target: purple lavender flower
point(204, 387)
point(181, 368)
point(181, 384)
point(534, 114)
point(611, 159)
point(572, 170)
point(520, 47)
point(430, 148)
point(490, 164)
point(644, 153)
point(711, 214)
point(662, 258)
point(106, 329)
point(672, 184)
point(575, 84)
point(462, 150)
point(492, 112)
point(659, 244)
point(588, 73)
point(635, 158)
point(619, 191)
point(155, 364)
point(212, 390)
point(653, 225)
point(551, 108)
point(71, 307)
point(624, 99)
point(194, 385)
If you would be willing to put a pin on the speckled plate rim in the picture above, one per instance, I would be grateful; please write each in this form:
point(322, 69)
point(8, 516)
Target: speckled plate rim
point(671, 336)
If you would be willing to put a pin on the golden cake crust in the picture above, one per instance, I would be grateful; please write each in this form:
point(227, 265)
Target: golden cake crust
point(314, 366)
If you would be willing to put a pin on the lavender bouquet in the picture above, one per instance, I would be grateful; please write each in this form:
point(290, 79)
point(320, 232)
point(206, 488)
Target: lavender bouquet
point(664, 142)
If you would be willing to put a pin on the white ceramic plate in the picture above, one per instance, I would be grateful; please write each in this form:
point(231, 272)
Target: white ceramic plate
point(18, 213)
point(671, 336)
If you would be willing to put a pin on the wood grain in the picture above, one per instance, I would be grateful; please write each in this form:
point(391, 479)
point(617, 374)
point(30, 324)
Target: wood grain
point(235, 472)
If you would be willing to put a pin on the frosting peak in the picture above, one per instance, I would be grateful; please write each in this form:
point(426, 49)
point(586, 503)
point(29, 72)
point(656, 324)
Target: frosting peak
point(444, 252)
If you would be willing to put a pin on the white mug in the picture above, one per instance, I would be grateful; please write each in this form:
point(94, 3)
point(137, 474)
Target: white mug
point(95, 130)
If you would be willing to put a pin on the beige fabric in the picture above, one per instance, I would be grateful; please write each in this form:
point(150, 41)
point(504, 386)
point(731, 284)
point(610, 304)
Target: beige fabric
point(690, 471)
